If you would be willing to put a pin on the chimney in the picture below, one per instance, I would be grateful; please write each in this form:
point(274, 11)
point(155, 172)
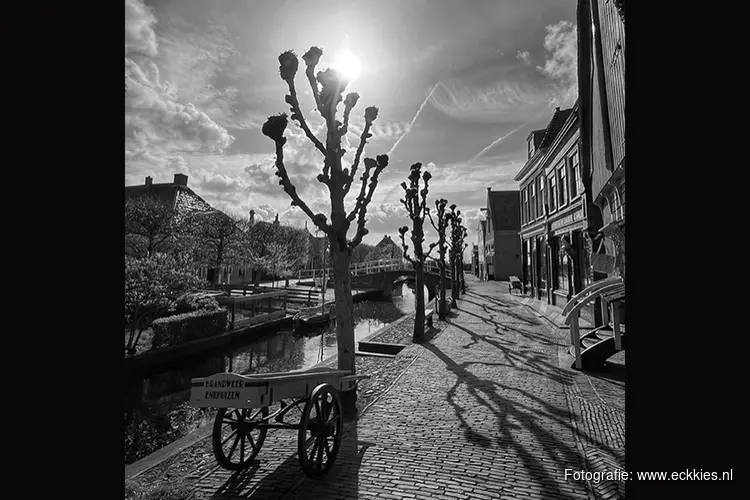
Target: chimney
point(149, 181)
point(180, 179)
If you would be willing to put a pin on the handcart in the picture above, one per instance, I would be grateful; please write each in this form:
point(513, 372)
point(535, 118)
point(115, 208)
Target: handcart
point(243, 419)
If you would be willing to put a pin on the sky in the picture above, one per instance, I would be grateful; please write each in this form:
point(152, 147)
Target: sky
point(459, 86)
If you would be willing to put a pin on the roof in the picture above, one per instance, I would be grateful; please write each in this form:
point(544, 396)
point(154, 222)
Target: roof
point(537, 135)
point(182, 198)
point(505, 209)
point(554, 126)
point(385, 241)
point(547, 138)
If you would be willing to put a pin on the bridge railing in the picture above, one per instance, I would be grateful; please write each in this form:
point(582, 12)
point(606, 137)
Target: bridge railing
point(374, 266)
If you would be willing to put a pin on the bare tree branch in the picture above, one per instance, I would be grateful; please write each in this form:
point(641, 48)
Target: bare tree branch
point(289, 63)
point(311, 58)
point(402, 231)
point(371, 113)
point(274, 128)
point(360, 207)
point(349, 103)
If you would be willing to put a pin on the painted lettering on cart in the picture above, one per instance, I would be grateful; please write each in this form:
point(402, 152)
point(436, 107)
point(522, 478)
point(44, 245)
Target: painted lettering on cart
point(228, 384)
point(222, 395)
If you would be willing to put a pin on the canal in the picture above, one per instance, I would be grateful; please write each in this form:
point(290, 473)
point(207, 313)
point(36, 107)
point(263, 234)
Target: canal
point(164, 393)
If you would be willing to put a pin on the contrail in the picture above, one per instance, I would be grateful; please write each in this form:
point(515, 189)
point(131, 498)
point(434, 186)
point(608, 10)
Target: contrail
point(411, 124)
point(500, 139)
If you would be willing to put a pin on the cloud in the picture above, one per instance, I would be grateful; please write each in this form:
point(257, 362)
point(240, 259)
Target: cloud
point(139, 29)
point(265, 212)
point(561, 62)
point(160, 126)
point(524, 56)
point(506, 99)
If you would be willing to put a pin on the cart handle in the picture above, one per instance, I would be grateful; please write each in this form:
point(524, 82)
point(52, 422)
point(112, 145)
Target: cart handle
point(350, 378)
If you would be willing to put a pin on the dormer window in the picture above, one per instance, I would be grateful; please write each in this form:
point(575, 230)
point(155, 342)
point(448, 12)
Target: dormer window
point(531, 146)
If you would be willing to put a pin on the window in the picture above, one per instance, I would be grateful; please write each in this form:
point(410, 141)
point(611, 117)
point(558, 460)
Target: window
point(562, 268)
point(552, 191)
point(531, 147)
point(616, 206)
point(562, 172)
point(533, 201)
point(576, 183)
point(525, 206)
point(540, 201)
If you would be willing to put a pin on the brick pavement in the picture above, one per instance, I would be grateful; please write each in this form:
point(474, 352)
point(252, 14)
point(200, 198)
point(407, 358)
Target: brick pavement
point(487, 409)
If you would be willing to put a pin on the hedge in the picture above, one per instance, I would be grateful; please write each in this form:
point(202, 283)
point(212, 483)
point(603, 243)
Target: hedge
point(180, 328)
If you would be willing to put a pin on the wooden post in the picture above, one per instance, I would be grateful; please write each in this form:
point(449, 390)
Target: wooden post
point(616, 324)
point(233, 306)
point(285, 295)
point(575, 339)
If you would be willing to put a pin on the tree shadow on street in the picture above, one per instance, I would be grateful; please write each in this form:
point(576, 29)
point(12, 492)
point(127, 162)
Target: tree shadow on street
point(519, 359)
point(486, 393)
point(288, 477)
point(536, 337)
point(492, 299)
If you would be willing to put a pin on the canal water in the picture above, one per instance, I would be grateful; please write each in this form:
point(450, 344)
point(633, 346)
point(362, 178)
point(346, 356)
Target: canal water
point(278, 351)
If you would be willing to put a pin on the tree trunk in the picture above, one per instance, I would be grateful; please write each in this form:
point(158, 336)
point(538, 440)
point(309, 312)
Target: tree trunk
point(344, 319)
point(442, 310)
point(463, 278)
point(454, 282)
point(418, 335)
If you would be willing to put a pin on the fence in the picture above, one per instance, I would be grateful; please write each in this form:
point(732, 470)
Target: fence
point(375, 266)
point(253, 309)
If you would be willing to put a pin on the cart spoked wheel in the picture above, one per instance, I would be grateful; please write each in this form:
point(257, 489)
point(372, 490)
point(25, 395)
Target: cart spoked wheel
point(237, 437)
point(320, 431)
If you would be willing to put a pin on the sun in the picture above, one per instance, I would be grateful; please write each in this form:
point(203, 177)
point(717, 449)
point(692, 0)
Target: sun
point(348, 64)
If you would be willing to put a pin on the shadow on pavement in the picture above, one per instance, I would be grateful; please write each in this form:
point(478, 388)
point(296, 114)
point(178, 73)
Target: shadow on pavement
point(520, 360)
point(486, 394)
point(343, 479)
point(614, 373)
point(288, 480)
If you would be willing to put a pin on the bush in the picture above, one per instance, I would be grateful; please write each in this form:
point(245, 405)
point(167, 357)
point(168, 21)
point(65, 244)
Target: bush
point(152, 284)
point(180, 328)
point(190, 302)
point(147, 433)
point(166, 491)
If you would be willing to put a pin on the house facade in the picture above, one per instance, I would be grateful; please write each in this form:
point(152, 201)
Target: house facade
point(502, 247)
point(481, 250)
point(601, 87)
point(554, 208)
point(184, 202)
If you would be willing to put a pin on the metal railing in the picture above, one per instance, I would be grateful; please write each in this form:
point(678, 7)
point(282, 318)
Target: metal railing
point(255, 308)
point(374, 266)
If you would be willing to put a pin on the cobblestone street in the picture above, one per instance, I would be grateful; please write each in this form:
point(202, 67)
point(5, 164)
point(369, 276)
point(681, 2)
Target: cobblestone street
point(487, 409)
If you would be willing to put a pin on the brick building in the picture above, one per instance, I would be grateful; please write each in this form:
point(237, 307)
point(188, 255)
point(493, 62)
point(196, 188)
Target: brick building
point(601, 86)
point(554, 208)
point(502, 249)
point(184, 201)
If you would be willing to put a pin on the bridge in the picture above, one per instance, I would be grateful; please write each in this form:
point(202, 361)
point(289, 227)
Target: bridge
point(382, 274)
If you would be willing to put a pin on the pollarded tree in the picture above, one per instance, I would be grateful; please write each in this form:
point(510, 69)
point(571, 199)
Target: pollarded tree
point(327, 87)
point(415, 201)
point(455, 219)
point(443, 220)
point(460, 248)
